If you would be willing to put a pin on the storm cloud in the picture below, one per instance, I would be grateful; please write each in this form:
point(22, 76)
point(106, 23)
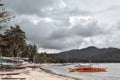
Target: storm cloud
point(68, 24)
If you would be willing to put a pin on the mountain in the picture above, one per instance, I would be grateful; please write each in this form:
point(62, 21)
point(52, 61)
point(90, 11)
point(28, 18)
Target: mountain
point(92, 54)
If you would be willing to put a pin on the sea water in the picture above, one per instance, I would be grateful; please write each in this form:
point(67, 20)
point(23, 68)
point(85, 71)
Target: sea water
point(113, 72)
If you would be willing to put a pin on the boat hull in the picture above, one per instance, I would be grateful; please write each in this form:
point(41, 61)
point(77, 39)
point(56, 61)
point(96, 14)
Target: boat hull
point(9, 73)
point(87, 69)
point(33, 67)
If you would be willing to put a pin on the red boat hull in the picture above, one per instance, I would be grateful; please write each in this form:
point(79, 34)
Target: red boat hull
point(87, 69)
point(33, 66)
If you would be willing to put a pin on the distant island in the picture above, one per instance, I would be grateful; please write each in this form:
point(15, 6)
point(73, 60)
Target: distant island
point(91, 54)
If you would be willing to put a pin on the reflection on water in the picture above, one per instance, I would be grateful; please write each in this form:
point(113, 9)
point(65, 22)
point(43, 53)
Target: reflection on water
point(112, 74)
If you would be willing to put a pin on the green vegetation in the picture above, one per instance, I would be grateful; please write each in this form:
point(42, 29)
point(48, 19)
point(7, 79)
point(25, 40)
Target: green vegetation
point(48, 58)
point(13, 44)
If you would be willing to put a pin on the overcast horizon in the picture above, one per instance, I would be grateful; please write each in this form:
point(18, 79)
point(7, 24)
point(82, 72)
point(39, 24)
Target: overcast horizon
point(59, 25)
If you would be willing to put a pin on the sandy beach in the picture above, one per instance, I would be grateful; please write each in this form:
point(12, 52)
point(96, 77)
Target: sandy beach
point(37, 74)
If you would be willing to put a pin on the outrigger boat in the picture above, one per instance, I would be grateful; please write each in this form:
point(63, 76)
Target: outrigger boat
point(87, 68)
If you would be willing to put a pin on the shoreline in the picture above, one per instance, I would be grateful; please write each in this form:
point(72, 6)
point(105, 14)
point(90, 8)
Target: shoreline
point(51, 72)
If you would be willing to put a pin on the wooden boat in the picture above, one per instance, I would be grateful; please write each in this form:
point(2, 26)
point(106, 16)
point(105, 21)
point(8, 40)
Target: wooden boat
point(85, 68)
point(9, 73)
point(20, 67)
point(33, 67)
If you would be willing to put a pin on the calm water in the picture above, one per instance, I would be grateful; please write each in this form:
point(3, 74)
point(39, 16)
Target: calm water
point(112, 74)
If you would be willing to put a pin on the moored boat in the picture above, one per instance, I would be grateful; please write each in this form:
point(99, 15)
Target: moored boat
point(87, 68)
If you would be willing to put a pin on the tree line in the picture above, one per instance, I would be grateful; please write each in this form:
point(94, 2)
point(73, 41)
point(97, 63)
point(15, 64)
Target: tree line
point(13, 44)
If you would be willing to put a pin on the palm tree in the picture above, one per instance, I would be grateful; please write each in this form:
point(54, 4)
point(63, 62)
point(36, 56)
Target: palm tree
point(16, 38)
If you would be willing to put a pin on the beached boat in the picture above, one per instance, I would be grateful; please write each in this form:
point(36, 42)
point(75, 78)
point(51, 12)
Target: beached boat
point(33, 67)
point(87, 68)
point(20, 67)
point(9, 73)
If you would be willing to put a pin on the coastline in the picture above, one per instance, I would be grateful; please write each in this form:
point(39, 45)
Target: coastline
point(49, 71)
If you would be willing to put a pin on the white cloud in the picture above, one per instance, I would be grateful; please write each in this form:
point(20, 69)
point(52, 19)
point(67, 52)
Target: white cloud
point(82, 20)
point(36, 19)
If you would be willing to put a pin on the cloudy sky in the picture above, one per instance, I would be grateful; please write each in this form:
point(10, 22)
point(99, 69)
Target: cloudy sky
point(58, 25)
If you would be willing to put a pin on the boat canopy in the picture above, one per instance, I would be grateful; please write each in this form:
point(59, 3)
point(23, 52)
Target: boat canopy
point(84, 65)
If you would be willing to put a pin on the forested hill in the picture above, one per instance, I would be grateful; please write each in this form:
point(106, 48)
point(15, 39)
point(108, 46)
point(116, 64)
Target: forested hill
point(92, 54)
